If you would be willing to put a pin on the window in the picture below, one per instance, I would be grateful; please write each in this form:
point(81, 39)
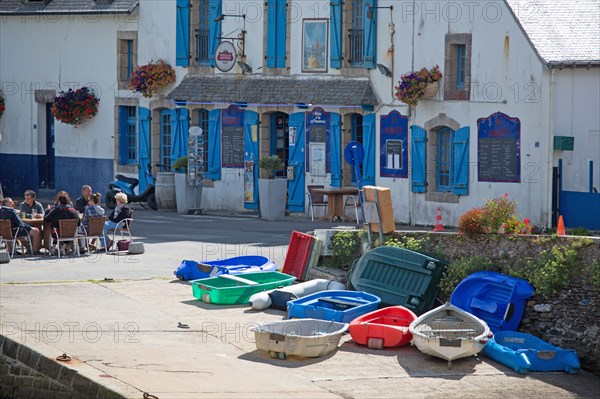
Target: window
point(280, 139)
point(457, 66)
point(165, 138)
point(357, 135)
point(357, 33)
point(127, 135)
point(276, 33)
point(203, 35)
point(129, 62)
point(445, 159)
point(203, 124)
point(126, 57)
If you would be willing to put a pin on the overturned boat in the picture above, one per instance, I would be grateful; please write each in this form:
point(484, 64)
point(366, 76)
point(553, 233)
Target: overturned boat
point(387, 327)
point(449, 332)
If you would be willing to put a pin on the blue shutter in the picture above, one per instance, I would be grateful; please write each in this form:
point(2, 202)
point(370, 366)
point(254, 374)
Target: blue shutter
point(280, 34)
point(214, 35)
point(370, 34)
point(251, 153)
point(179, 133)
point(368, 177)
point(183, 33)
point(144, 143)
point(123, 129)
point(271, 33)
point(296, 189)
point(460, 184)
point(418, 153)
point(214, 145)
point(335, 33)
point(336, 150)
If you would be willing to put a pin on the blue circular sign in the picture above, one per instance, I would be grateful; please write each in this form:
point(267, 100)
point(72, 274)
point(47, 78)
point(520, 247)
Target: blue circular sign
point(354, 153)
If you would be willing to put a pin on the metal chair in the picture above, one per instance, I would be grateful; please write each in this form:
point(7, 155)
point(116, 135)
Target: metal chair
point(95, 231)
point(123, 228)
point(6, 236)
point(67, 231)
point(315, 199)
point(355, 204)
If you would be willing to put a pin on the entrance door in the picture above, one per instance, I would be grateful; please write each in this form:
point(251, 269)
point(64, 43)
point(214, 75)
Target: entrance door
point(280, 137)
point(250, 160)
point(296, 189)
point(47, 165)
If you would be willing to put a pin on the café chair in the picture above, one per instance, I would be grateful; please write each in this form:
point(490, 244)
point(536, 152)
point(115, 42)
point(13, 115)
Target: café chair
point(6, 236)
point(355, 204)
point(67, 231)
point(123, 228)
point(315, 199)
point(95, 231)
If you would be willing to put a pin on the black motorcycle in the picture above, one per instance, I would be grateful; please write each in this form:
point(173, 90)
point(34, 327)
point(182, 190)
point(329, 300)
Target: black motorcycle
point(126, 185)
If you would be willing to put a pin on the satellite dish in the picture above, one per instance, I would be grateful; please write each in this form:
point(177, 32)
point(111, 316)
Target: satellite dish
point(195, 131)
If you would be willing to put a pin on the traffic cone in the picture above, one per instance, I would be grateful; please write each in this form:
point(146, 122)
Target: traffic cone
point(560, 230)
point(438, 221)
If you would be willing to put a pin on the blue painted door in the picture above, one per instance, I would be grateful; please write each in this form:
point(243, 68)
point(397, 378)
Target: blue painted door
point(336, 150)
point(368, 169)
point(296, 190)
point(49, 169)
point(144, 146)
point(250, 160)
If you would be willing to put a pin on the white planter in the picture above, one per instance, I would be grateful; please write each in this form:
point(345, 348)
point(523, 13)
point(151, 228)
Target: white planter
point(165, 191)
point(272, 194)
point(187, 196)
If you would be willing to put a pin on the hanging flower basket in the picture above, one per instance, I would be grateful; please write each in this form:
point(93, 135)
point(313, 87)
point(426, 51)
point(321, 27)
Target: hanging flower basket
point(431, 90)
point(2, 106)
point(74, 107)
point(150, 78)
point(413, 86)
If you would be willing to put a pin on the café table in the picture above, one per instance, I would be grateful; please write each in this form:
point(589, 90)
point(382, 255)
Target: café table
point(335, 201)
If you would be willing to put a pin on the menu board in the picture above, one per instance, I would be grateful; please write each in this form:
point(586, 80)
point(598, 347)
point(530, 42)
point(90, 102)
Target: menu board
point(195, 157)
point(318, 131)
point(498, 148)
point(318, 134)
point(232, 139)
point(392, 151)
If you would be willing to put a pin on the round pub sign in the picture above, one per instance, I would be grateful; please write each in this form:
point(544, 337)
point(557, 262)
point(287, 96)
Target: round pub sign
point(225, 56)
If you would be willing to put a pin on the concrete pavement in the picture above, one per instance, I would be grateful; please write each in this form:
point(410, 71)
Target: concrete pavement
point(124, 333)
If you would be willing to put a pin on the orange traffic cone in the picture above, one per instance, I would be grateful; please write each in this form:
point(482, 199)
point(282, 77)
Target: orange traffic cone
point(560, 230)
point(438, 221)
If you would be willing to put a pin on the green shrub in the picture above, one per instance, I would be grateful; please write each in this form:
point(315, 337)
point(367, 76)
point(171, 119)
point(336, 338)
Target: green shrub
point(458, 270)
point(579, 231)
point(411, 243)
point(595, 275)
point(345, 248)
point(181, 163)
point(498, 211)
point(471, 222)
point(270, 163)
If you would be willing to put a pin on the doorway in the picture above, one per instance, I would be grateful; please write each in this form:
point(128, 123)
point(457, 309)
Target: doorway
point(280, 140)
point(47, 163)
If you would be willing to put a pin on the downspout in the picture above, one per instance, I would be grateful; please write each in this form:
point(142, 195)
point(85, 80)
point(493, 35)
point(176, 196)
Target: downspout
point(411, 195)
point(550, 148)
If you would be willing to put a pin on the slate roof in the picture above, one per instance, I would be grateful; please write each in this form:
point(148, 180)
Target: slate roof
point(562, 32)
point(274, 90)
point(67, 7)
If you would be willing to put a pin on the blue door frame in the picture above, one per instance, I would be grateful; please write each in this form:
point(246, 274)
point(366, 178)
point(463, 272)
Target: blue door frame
point(579, 209)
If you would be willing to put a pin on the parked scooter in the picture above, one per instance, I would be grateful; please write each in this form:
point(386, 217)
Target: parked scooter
point(126, 185)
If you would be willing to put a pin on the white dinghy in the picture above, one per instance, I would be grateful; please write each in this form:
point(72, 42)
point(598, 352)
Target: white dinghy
point(449, 332)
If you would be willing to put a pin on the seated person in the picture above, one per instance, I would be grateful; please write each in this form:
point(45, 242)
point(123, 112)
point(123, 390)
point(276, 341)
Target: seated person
point(92, 210)
point(82, 202)
point(30, 205)
point(19, 228)
point(62, 210)
point(120, 212)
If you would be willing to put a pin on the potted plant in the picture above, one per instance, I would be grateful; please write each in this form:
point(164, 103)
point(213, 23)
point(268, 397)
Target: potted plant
point(150, 78)
point(271, 191)
point(74, 107)
point(187, 196)
point(417, 84)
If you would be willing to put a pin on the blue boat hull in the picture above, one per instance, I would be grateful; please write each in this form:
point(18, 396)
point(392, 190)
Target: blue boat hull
point(192, 270)
point(523, 353)
point(340, 306)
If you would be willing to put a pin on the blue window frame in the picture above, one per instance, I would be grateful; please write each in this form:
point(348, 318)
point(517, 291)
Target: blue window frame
point(165, 138)
point(461, 52)
point(204, 55)
point(129, 58)
point(127, 135)
point(203, 124)
point(445, 159)
point(276, 33)
point(357, 135)
point(357, 33)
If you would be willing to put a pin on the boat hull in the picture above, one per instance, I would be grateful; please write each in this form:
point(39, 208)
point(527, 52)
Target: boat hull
point(449, 332)
point(340, 306)
point(192, 270)
point(387, 327)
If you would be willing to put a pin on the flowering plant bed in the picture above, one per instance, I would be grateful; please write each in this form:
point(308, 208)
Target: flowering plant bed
point(74, 107)
point(2, 106)
point(412, 85)
point(498, 215)
point(150, 78)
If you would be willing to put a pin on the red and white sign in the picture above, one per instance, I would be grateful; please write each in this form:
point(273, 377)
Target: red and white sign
point(225, 56)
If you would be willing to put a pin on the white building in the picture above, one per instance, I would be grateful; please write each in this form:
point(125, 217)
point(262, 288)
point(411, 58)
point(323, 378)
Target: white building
point(516, 75)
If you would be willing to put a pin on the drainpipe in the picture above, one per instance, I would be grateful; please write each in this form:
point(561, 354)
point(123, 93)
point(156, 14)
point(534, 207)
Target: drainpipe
point(550, 148)
point(411, 195)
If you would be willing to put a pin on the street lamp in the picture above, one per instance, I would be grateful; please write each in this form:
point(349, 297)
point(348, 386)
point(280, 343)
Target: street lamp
point(222, 17)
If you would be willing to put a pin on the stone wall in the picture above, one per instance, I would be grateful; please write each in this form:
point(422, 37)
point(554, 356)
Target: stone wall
point(26, 374)
point(569, 319)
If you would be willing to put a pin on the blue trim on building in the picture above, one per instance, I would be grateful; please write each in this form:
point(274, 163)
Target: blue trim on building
point(19, 172)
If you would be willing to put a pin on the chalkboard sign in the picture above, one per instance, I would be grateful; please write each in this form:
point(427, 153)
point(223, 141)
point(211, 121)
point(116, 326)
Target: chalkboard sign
point(318, 131)
point(318, 134)
point(233, 146)
point(498, 151)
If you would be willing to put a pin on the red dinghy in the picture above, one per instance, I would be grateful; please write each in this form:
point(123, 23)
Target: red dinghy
point(387, 327)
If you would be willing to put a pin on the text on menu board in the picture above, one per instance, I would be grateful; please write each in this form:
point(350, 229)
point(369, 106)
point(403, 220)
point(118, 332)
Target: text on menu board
point(232, 138)
point(498, 148)
point(392, 151)
point(317, 127)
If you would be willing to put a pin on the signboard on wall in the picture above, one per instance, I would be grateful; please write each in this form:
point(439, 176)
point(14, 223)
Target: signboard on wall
point(393, 150)
point(498, 149)
point(232, 137)
point(318, 131)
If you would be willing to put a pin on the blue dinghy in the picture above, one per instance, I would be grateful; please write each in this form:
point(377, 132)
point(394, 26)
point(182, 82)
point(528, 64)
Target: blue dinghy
point(496, 298)
point(192, 270)
point(523, 352)
point(341, 306)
